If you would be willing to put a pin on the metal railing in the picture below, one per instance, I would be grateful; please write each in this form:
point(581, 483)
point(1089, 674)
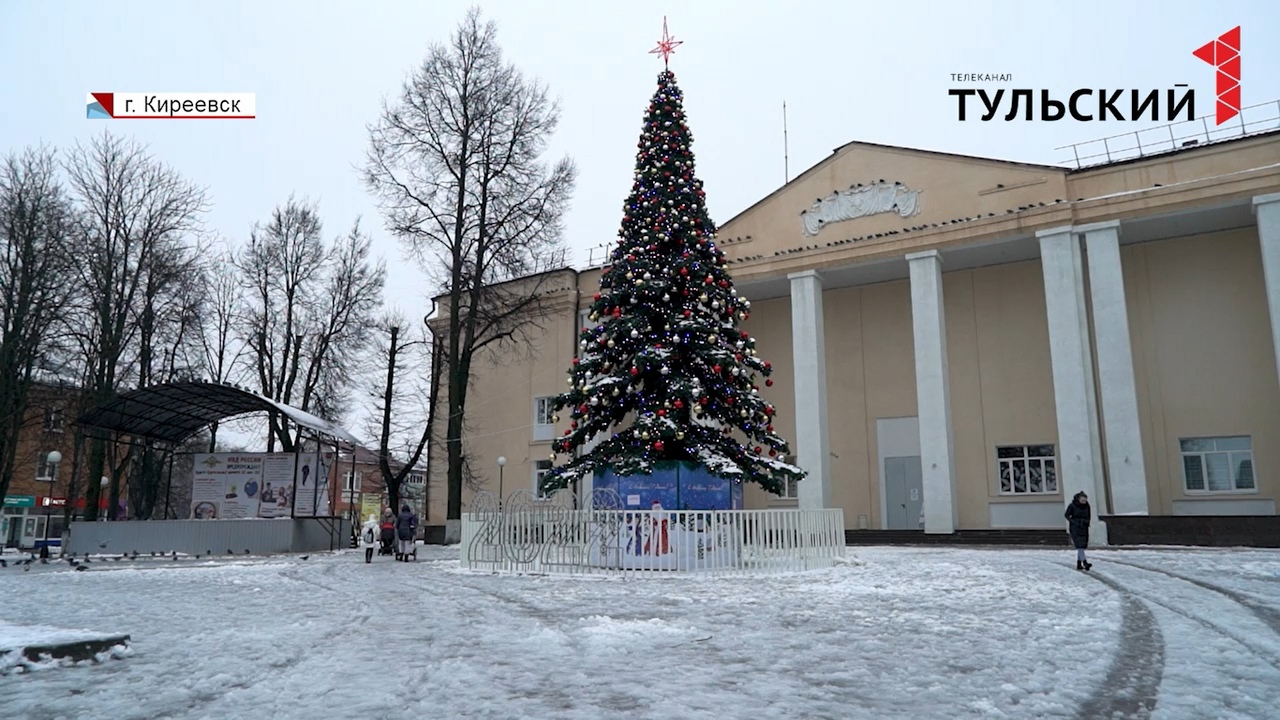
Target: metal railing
point(1252, 119)
point(559, 536)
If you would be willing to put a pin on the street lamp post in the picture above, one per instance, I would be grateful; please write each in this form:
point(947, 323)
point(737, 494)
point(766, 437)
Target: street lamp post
point(502, 461)
point(53, 459)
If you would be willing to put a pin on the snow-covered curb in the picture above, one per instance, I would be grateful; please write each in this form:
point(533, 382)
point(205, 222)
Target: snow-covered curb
point(24, 648)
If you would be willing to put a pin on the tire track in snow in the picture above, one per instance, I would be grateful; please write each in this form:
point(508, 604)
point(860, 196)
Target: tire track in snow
point(1133, 680)
point(1261, 653)
point(1267, 614)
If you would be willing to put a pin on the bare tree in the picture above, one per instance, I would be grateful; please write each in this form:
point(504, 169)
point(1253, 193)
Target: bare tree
point(457, 165)
point(220, 349)
point(401, 413)
point(136, 219)
point(35, 279)
point(306, 312)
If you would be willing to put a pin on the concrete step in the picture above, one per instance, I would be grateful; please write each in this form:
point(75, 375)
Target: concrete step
point(1012, 536)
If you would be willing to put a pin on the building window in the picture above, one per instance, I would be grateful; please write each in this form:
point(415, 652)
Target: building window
point(543, 411)
point(44, 469)
point(1215, 465)
point(789, 487)
point(416, 479)
point(351, 481)
point(53, 420)
point(540, 469)
point(1027, 470)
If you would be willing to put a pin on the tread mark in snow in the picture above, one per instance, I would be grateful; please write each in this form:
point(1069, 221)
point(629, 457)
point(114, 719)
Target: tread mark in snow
point(1262, 654)
point(1268, 615)
point(1133, 680)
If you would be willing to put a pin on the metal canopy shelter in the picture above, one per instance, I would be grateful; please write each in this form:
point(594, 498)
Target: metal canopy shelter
point(174, 411)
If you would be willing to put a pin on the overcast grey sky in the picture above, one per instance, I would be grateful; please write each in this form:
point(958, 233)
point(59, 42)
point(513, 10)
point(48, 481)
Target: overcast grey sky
point(848, 70)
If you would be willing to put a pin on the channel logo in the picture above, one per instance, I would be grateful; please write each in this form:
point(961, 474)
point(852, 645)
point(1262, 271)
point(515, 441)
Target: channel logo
point(1224, 54)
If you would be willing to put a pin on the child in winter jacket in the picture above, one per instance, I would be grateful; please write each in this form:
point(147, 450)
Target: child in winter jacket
point(369, 537)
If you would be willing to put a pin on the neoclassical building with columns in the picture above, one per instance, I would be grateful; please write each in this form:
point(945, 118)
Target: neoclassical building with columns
point(964, 343)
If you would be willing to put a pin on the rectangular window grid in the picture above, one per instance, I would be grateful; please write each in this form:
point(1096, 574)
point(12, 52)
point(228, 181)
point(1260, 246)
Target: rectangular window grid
point(1027, 469)
point(1218, 465)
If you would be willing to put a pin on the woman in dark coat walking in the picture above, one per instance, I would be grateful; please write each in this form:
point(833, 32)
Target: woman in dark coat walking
point(1077, 516)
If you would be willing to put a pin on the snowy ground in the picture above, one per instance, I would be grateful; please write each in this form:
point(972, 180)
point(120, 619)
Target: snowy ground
point(900, 633)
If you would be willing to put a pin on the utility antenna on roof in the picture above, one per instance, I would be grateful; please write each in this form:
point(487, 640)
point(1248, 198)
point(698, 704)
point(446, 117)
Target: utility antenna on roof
point(786, 168)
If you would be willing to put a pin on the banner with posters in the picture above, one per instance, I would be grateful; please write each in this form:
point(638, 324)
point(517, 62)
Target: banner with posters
point(231, 486)
point(311, 484)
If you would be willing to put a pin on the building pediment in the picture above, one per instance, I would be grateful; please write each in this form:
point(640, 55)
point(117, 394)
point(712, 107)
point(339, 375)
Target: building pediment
point(859, 201)
point(865, 192)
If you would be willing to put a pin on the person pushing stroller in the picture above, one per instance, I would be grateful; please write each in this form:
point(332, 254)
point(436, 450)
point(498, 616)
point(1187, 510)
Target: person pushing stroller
point(387, 534)
point(406, 529)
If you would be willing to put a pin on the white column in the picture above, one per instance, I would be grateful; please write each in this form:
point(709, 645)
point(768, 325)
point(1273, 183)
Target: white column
point(1267, 210)
point(1126, 468)
point(933, 392)
point(809, 350)
point(1079, 458)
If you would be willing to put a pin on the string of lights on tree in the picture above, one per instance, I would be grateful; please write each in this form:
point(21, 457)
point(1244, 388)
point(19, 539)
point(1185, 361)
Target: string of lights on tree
point(664, 350)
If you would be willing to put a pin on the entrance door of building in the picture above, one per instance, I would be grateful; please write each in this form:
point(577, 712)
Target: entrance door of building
point(904, 493)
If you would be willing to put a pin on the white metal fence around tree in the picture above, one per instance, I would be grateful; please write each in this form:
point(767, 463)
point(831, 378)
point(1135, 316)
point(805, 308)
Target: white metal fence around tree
point(560, 535)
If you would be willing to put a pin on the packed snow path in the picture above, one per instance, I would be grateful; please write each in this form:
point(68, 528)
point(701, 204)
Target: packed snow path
point(898, 633)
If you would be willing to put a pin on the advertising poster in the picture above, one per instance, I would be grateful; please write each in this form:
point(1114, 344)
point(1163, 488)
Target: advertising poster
point(311, 485)
point(225, 486)
point(277, 485)
point(370, 504)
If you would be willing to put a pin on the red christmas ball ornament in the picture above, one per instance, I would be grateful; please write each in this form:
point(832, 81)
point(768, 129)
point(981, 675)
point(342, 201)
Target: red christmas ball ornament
point(709, 280)
point(657, 445)
point(631, 258)
point(678, 404)
point(703, 399)
point(736, 356)
point(715, 369)
point(575, 361)
point(566, 432)
point(687, 312)
point(582, 408)
point(573, 425)
point(745, 336)
point(596, 296)
point(768, 382)
point(759, 449)
point(635, 371)
point(769, 428)
point(617, 312)
point(662, 413)
point(768, 366)
point(684, 271)
point(772, 452)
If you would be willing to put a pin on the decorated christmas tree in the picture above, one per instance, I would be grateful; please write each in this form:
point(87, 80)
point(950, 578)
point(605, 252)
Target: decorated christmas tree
point(662, 371)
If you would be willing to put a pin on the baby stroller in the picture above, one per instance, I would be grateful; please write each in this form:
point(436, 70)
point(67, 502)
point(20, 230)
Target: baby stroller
point(387, 540)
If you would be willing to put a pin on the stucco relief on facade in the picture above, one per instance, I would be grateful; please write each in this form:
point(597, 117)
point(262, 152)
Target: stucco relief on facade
point(860, 201)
